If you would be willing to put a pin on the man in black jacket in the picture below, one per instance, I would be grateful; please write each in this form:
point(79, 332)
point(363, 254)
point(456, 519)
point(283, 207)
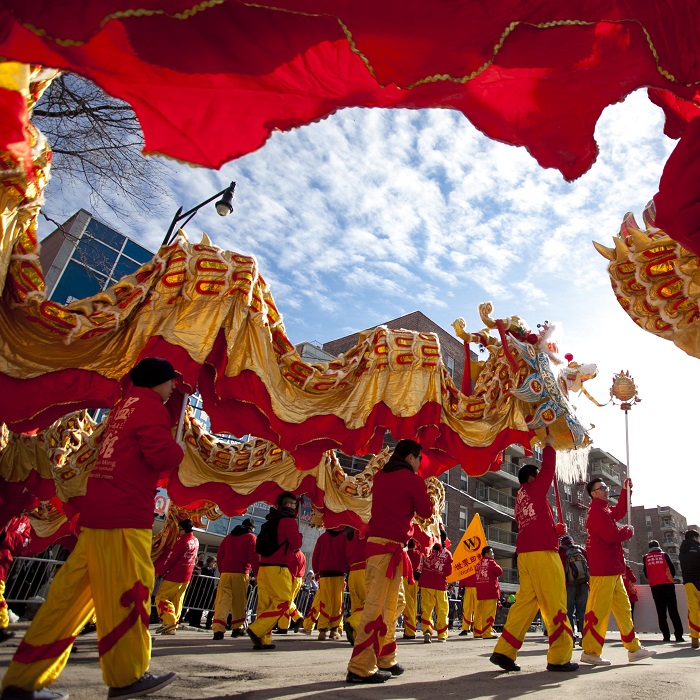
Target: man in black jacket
point(690, 566)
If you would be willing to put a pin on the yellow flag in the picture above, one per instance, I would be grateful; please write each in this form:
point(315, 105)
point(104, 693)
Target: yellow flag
point(468, 552)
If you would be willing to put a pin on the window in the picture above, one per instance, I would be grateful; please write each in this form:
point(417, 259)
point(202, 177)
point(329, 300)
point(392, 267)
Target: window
point(77, 282)
point(451, 366)
point(650, 535)
point(444, 515)
point(569, 520)
point(463, 481)
point(445, 477)
point(92, 253)
point(141, 255)
point(647, 520)
point(105, 234)
point(463, 518)
point(567, 493)
point(582, 521)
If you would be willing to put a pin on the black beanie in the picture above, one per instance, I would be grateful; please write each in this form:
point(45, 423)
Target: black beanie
point(185, 524)
point(248, 524)
point(152, 371)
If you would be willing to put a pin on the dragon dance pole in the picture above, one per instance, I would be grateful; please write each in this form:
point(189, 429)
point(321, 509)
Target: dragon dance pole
point(625, 390)
point(181, 422)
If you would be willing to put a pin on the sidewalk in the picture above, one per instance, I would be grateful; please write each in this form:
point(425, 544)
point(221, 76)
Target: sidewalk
point(302, 667)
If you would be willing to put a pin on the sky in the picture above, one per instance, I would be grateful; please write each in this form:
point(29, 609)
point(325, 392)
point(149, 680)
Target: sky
point(371, 214)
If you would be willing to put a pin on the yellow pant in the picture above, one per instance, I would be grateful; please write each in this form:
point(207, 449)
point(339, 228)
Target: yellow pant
point(410, 613)
point(607, 594)
point(169, 601)
point(358, 592)
point(484, 617)
point(542, 586)
point(4, 617)
point(375, 636)
point(432, 599)
point(231, 597)
point(468, 607)
point(292, 614)
point(327, 608)
point(110, 572)
point(693, 595)
point(274, 594)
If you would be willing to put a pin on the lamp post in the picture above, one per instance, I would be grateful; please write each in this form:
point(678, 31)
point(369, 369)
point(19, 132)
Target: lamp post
point(223, 208)
point(625, 390)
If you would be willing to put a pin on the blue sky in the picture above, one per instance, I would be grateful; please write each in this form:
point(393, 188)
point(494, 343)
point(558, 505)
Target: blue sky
point(371, 214)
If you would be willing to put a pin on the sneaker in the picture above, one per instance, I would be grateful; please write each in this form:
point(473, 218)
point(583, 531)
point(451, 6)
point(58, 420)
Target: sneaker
point(278, 631)
point(163, 629)
point(5, 635)
point(593, 659)
point(441, 639)
point(463, 633)
point(641, 653)
point(680, 639)
point(350, 634)
point(335, 634)
point(427, 639)
point(564, 668)
point(257, 642)
point(238, 632)
point(298, 625)
point(43, 694)
point(394, 670)
point(409, 636)
point(505, 662)
point(148, 683)
point(695, 643)
point(321, 635)
point(218, 635)
point(380, 676)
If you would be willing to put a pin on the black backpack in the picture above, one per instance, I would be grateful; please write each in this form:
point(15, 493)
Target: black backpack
point(266, 543)
point(576, 566)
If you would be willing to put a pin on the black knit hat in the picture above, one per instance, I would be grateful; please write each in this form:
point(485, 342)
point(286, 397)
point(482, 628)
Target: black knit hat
point(152, 371)
point(248, 524)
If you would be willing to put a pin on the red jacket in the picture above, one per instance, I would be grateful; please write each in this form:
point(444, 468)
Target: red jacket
point(236, 553)
point(487, 573)
point(398, 493)
point(533, 514)
point(290, 539)
point(17, 536)
point(605, 537)
point(468, 582)
point(414, 557)
point(298, 572)
point(330, 553)
point(356, 552)
point(437, 566)
point(137, 446)
point(656, 567)
point(177, 565)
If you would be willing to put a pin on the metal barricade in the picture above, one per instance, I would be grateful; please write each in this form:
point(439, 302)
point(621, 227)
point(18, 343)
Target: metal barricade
point(29, 578)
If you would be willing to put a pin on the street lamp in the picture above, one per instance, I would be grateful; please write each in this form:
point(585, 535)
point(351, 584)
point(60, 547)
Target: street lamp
point(223, 208)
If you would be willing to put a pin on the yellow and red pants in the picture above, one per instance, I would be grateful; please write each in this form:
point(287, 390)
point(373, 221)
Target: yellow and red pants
point(358, 592)
point(292, 614)
point(231, 597)
point(468, 607)
point(274, 594)
point(169, 600)
point(4, 616)
point(327, 608)
point(484, 617)
point(410, 613)
point(542, 586)
point(693, 595)
point(109, 572)
point(433, 599)
point(607, 594)
point(375, 636)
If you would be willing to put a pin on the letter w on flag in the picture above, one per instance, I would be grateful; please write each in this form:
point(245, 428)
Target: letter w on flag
point(468, 552)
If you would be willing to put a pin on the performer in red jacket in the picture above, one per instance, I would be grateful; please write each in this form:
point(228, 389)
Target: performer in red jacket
point(329, 561)
point(410, 611)
point(175, 566)
point(236, 558)
point(275, 576)
point(110, 570)
point(398, 493)
point(14, 538)
point(660, 572)
point(488, 593)
point(437, 566)
point(606, 562)
point(542, 583)
point(468, 586)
